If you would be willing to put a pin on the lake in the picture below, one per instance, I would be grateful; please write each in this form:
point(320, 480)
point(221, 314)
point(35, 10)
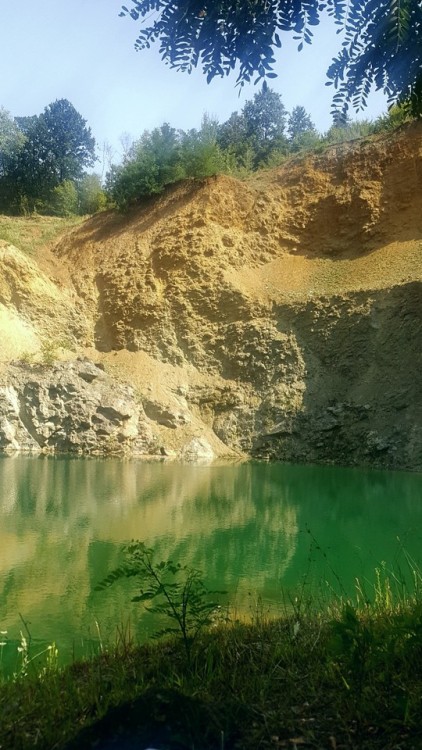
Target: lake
point(259, 531)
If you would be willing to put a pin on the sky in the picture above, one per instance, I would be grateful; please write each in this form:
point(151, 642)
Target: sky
point(81, 50)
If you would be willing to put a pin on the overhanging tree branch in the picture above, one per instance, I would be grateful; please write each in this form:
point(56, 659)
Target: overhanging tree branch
point(382, 44)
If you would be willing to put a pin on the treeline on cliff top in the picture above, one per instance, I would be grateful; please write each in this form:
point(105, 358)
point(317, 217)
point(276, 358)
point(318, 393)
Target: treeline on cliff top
point(44, 158)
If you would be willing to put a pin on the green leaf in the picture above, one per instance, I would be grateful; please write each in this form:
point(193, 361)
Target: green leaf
point(145, 596)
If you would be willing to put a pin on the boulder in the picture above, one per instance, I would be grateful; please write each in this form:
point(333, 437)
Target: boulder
point(197, 450)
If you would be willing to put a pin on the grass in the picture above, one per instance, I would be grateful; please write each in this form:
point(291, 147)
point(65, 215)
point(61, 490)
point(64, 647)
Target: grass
point(30, 233)
point(346, 677)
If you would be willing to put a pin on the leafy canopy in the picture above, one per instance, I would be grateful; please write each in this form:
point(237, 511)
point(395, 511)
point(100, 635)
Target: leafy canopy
point(382, 45)
point(299, 122)
point(265, 115)
point(39, 153)
point(11, 140)
point(164, 156)
point(263, 134)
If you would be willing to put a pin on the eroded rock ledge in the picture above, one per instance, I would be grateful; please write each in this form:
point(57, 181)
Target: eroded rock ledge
point(76, 407)
point(72, 406)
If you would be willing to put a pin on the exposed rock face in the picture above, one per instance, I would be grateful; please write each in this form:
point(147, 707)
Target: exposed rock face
point(279, 317)
point(363, 397)
point(33, 308)
point(168, 415)
point(71, 406)
point(352, 394)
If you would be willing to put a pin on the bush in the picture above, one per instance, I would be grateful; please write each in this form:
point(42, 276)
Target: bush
point(349, 131)
point(64, 199)
point(396, 116)
point(306, 141)
point(162, 157)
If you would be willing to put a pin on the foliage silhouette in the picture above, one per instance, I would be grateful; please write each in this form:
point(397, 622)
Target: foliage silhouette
point(382, 44)
point(176, 591)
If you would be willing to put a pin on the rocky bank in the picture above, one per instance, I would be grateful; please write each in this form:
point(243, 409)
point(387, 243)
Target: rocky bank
point(278, 317)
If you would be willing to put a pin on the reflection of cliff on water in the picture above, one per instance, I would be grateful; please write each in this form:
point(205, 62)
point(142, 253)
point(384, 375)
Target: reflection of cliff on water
point(62, 523)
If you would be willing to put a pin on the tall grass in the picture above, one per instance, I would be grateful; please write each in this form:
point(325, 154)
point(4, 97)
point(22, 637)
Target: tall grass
point(29, 233)
point(348, 675)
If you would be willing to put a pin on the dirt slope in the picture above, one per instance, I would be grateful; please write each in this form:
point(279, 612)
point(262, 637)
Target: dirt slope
point(284, 311)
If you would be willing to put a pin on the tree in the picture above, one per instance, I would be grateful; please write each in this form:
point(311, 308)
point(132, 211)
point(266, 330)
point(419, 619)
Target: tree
point(64, 199)
point(349, 130)
point(107, 153)
point(299, 122)
point(126, 143)
point(135, 179)
point(151, 163)
point(11, 140)
point(250, 137)
point(57, 146)
point(396, 116)
point(236, 145)
point(67, 143)
point(265, 120)
point(232, 133)
point(162, 157)
point(382, 47)
point(25, 124)
point(11, 143)
point(265, 115)
point(201, 153)
point(163, 146)
point(301, 130)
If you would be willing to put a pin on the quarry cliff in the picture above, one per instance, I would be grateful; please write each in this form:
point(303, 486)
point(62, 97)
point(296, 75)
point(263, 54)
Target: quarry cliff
point(277, 317)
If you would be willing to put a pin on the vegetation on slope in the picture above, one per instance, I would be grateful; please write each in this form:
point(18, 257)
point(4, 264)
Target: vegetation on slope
point(29, 233)
point(262, 135)
point(43, 158)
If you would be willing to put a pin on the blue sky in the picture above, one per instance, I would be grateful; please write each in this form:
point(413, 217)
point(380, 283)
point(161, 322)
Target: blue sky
point(82, 51)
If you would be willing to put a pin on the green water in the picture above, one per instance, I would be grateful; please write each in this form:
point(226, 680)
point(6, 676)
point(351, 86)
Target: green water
point(255, 530)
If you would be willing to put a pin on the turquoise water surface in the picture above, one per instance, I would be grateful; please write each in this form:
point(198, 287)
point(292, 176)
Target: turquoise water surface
point(258, 531)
